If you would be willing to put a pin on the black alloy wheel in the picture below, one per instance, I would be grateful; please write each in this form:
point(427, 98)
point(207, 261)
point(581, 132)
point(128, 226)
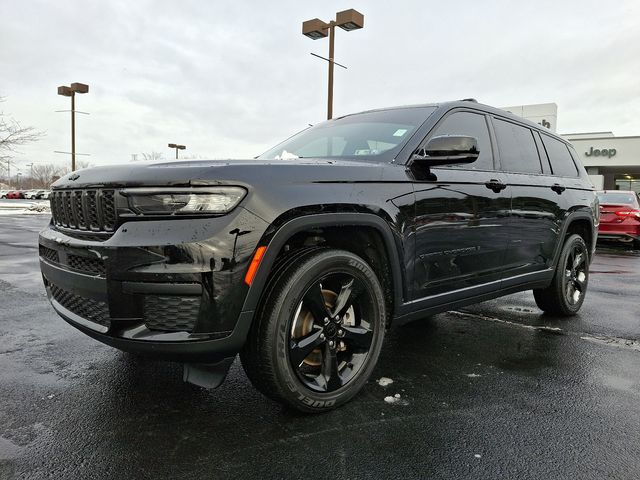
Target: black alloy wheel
point(566, 293)
point(330, 335)
point(575, 274)
point(318, 333)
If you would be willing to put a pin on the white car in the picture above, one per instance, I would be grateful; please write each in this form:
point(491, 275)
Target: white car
point(34, 194)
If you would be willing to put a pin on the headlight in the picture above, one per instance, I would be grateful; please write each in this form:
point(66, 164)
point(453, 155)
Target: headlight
point(165, 201)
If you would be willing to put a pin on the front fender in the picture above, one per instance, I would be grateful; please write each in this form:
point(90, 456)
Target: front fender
point(279, 238)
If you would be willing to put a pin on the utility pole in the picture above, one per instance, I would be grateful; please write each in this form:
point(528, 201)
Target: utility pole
point(177, 147)
point(30, 165)
point(315, 29)
point(71, 92)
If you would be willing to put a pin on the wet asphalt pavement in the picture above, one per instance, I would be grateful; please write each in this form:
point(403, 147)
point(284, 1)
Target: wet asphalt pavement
point(485, 393)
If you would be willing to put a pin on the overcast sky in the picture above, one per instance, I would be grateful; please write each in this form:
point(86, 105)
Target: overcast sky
point(230, 79)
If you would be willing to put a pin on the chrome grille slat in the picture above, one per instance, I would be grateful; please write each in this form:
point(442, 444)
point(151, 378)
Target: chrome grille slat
point(76, 207)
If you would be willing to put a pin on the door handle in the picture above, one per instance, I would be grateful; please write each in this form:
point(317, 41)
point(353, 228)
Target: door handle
point(556, 187)
point(495, 185)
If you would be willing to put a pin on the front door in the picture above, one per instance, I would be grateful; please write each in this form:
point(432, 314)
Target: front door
point(461, 217)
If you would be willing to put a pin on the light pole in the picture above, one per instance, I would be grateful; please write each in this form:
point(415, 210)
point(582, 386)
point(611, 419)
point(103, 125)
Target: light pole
point(71, 92)
point(18, 175)
point(315, 29)
point(177, 147)
point(30, 165)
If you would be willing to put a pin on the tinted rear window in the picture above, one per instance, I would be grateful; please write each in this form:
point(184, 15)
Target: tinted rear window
point(560, 157)
point(618, 198)
point(518, 152)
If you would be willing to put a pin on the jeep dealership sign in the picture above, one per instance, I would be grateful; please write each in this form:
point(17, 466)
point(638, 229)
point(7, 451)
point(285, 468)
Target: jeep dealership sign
point(604, 152)
point(545, 114)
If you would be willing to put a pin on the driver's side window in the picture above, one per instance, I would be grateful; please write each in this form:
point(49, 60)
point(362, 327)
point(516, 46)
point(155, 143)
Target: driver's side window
point(473, 125)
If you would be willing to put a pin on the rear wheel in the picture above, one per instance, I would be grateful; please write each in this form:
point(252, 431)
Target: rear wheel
point(566, 293)
point(318, 333)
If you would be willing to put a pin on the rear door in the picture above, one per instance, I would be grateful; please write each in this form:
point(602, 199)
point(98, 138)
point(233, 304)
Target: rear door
point(539, 198)
point(461, 216)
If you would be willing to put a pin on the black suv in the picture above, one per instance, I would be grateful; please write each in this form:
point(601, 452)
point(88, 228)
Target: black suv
point(301, 258)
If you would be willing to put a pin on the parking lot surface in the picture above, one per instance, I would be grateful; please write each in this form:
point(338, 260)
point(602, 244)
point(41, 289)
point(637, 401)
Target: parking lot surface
point(495, 390)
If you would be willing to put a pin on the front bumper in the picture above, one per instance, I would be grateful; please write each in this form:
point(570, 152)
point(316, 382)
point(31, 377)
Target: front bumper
point(172, 289)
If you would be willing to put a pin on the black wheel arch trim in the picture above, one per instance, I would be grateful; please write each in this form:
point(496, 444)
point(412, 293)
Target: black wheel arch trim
point(286, 231)
point(571, 217)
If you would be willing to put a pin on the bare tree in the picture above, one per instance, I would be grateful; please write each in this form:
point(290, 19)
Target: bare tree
point(80, 164)
point(44, 173)
point(149, 156)
point(195, 156)
point(12, 136)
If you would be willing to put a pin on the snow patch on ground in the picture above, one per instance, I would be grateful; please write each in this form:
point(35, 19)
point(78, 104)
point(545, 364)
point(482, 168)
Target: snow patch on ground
point(395, 400)
point(38, 208)
point(541, 328)
point(473, 375)
point(384, 381)
point(613, 341)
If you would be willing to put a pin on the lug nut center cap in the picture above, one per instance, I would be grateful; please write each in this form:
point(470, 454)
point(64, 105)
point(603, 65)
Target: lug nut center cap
point(330, 330)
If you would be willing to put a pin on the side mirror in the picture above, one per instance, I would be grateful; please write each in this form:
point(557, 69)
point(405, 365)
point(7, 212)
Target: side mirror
point(447, 150)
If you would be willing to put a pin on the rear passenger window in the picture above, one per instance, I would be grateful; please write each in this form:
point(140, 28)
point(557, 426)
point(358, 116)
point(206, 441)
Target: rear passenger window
point(518, 152)
point(473, 125)
point(561, 162)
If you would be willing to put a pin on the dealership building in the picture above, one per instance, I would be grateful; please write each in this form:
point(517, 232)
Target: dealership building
point(613, 163)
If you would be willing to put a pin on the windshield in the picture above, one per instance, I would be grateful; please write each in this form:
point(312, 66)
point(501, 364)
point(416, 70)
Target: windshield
point(619, 198)
point(378, 134)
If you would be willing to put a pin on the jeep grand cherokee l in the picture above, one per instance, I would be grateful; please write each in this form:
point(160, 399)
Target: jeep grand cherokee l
point(301, 258)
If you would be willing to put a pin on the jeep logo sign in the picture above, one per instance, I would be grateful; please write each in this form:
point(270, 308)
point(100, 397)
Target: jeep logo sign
point(605, 152)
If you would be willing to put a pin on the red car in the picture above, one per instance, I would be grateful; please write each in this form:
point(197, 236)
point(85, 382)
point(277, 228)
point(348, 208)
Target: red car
point(15, 194)
point(619, 216)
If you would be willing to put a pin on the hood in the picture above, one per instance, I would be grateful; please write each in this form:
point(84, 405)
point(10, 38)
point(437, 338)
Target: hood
point(212, 172)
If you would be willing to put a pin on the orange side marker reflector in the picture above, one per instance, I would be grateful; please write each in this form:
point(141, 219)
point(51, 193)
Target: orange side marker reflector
point(253, 267)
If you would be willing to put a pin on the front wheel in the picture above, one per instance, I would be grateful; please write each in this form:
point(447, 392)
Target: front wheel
point(568, 288)
point(318, 333)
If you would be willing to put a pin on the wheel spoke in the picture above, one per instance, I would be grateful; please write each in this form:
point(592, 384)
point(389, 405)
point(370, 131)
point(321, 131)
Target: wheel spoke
point(330, 368)
point(577, 261)
point(314, 301)
point(300, 348)
point(581, 279)
point(358, 336)
point(344, 298)
point(570, 290)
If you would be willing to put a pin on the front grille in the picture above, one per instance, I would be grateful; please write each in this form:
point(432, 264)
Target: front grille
point(91, 210)
point(93, 310)
point(171, 313)
point(49, 253)
point(92, 266)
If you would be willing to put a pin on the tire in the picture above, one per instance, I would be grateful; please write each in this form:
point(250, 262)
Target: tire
point(318, 332)
point(568, 288)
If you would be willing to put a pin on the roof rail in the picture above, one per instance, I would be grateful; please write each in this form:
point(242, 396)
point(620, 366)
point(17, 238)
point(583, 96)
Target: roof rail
point(469, 100)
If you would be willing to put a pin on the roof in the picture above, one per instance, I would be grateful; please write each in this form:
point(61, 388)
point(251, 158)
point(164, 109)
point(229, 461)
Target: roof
point(473, 104)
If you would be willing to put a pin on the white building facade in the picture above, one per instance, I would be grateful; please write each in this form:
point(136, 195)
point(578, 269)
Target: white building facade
point(613, 163)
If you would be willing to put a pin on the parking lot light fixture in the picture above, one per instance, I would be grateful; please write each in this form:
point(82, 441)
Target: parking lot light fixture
point(177, 147)
point(71, 91)
point(316, 29)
